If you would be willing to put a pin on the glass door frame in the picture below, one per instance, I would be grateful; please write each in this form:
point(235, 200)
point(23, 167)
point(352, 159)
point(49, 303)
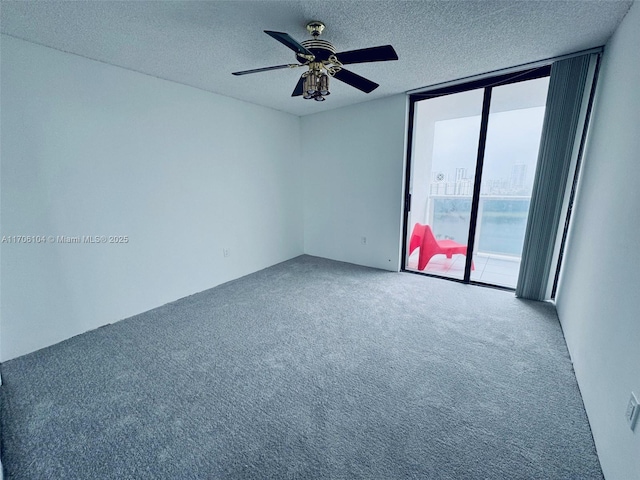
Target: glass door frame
point(487, 84)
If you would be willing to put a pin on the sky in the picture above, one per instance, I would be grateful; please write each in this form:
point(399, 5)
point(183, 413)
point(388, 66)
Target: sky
point(513, 138)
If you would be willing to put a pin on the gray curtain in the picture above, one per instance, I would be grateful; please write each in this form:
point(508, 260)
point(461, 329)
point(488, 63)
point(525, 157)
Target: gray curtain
point(570, 83)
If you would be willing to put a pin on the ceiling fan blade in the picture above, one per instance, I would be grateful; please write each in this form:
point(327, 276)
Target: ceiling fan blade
point(355, 80)
point(373, 54)
point(286, 40)
point(265, 69)
point(299, 90)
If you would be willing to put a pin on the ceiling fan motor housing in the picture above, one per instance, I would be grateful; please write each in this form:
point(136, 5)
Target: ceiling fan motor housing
point(321, 49)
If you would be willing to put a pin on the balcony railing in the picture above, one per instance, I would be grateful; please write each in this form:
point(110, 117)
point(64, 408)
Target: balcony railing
point(501, 225)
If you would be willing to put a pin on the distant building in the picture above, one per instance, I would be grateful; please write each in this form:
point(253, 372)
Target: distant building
point(442, 184)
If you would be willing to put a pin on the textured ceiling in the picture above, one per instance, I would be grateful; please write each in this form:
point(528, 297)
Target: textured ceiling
point(199, 43)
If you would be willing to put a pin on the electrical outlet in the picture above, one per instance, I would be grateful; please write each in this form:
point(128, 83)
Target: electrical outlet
point(226, 252)
point(633, 410)
point(363, 240)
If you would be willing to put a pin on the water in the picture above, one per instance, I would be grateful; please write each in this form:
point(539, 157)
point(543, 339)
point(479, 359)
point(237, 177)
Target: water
point(502, 224)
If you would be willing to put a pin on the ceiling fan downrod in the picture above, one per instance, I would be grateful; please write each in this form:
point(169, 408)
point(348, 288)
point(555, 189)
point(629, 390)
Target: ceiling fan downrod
point(315, 28)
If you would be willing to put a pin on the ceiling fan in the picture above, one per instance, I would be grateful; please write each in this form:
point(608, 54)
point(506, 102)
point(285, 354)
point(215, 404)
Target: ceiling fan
point(323, 61)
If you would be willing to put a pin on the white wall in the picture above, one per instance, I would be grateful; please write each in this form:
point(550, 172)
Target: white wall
point(598, 299)
point(92, 149)
point(353, 170)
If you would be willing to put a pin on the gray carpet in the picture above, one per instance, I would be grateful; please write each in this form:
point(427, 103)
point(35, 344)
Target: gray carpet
point(311, 369)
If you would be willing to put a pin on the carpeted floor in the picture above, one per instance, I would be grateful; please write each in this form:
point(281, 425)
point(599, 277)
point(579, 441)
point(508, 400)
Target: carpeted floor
point(311, 369)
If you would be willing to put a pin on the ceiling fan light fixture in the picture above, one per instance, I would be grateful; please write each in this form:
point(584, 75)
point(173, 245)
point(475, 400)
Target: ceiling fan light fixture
point(311, 83)
point(315, 85)
point(323, 85)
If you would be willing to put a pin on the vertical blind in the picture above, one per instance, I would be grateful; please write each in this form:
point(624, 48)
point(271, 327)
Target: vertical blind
point(570, 84)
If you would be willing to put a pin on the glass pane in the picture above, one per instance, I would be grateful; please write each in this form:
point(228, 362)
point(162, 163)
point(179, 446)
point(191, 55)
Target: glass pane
point(445, 148)
point(513, 138)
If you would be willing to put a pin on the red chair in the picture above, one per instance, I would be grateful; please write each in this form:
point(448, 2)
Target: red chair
point(422, 236)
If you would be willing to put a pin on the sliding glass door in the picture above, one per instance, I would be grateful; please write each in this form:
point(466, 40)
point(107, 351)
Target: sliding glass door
point(444, 165)
point(511, 152)
point(472, 164)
